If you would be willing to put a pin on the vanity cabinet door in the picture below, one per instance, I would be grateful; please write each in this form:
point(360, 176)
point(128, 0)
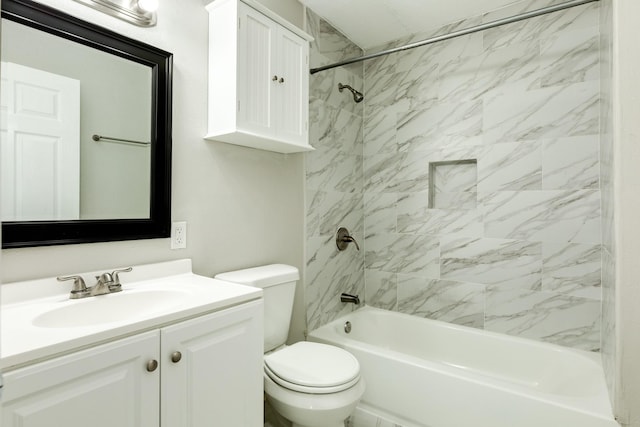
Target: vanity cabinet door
point(212, 370)
point(104, 386)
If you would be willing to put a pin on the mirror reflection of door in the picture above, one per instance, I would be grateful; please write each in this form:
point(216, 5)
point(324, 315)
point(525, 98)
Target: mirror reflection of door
point(40, 139)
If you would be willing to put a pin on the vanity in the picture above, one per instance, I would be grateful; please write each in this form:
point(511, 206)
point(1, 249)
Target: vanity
point(171, 349)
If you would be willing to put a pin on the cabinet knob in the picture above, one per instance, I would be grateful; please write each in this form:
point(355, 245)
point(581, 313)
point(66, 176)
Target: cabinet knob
point(176, 356)
point(152, 365)
point(274, 78)
point(281, 80)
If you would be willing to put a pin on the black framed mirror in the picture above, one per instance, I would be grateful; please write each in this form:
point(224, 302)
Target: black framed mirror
point(113, 197)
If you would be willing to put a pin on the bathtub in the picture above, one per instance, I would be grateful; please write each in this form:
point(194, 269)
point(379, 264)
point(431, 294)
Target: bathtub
point(422, 372)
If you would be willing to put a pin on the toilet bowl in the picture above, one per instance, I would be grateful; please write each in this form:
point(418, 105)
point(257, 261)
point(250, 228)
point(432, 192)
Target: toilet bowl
point(310, 384)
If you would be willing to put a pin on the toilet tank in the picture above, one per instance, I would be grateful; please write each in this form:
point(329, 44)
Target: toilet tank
point(278, 282)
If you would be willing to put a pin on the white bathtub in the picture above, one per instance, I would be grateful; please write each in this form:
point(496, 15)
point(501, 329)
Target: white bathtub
point(422, 372)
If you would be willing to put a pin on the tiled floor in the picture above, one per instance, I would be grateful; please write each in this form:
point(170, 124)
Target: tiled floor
point(363, 418)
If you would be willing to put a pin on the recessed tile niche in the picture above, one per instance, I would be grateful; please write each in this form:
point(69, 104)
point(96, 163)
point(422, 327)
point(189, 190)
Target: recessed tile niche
point(452, 184)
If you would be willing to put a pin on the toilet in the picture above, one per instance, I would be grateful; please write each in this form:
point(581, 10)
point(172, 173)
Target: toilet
point(310, 384)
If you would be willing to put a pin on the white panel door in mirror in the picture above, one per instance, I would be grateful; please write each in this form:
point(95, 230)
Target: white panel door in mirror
point(40, 142)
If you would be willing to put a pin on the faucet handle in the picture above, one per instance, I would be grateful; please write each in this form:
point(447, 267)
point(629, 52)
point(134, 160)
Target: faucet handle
point(79, 289)
point(117, 286)
point(343, 238)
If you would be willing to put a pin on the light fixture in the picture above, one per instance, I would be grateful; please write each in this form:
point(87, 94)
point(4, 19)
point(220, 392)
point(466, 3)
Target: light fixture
point(138, 12)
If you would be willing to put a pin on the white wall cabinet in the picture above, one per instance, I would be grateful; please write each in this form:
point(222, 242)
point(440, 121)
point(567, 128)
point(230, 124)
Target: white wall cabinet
point(258, 78)
point(216, 380)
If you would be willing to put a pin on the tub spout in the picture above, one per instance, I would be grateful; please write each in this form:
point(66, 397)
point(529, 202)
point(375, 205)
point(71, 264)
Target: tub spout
point(353, 299)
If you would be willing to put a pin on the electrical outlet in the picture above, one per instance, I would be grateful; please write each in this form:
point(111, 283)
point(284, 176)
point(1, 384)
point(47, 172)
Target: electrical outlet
point(179, 235)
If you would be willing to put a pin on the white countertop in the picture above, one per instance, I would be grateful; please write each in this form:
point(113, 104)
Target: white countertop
point(23, 342)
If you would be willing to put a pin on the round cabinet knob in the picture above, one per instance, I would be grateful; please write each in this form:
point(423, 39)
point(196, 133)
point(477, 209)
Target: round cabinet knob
point(176, 356)
point(281, 80)
point(152, 365)
point(274, 78)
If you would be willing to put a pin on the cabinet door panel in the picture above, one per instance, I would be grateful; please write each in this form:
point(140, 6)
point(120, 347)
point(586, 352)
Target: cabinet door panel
point(218, 380)
point(104, 386)
point(255, 73)
point(293, 108)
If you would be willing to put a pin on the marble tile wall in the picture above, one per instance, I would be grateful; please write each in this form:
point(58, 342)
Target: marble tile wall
point(606, 174)
point(334, 177)
point(523, 101)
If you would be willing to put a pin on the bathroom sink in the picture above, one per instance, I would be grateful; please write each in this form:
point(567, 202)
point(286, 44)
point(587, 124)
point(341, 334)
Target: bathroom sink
point(39, 320)
point(116, 307)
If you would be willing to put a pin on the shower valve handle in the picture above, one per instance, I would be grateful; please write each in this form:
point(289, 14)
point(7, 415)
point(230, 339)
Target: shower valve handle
point(343, 238)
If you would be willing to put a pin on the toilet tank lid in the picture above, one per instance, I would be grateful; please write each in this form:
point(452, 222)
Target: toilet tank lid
point(262, 277)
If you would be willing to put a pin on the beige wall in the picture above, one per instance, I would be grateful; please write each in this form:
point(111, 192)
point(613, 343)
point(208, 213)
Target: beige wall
point(244, 207)
point(291, 10)
point(626, 59)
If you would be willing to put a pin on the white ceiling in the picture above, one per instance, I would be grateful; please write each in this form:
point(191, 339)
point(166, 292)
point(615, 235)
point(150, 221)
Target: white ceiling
point(370, 23)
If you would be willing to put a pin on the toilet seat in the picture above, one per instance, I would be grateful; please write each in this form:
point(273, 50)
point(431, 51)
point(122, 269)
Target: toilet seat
point(312, 368)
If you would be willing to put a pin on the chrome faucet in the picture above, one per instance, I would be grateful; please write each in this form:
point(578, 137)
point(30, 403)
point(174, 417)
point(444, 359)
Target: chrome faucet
point(103, 284)
point(353, 299)
point(106, 283)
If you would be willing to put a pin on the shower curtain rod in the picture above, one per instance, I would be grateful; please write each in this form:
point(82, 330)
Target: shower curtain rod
point(464, 32)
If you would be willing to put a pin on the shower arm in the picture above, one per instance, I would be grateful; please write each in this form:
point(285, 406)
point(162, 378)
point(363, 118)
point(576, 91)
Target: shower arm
point(357, 96)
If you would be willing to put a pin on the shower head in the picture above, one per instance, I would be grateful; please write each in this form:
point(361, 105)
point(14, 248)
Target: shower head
point(357, 96)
